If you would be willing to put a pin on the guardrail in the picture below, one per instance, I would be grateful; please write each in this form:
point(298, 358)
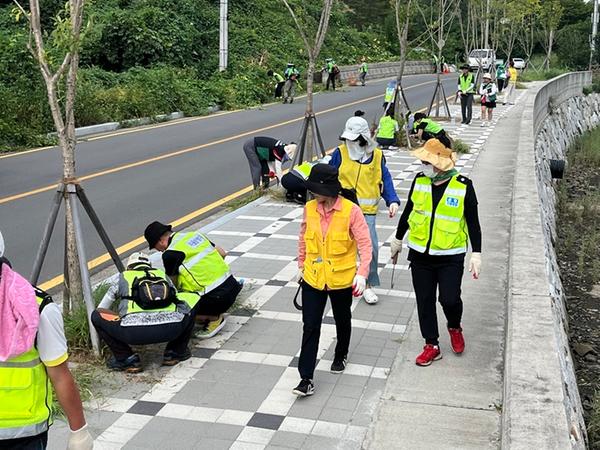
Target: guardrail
point(384, 70)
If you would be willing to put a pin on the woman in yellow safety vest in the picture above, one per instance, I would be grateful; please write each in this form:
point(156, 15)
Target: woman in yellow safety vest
point(362, 168)
point(333, 233)
point(441, 218)
point(387, 129)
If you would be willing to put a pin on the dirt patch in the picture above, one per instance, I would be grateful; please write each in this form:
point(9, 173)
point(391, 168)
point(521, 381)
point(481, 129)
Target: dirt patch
point(578, 247)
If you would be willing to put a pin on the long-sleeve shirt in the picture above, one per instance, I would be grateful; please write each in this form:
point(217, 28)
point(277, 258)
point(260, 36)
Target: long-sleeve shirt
point(389, 193)
point(359, 232)
point(470, 212)
point(488, 89)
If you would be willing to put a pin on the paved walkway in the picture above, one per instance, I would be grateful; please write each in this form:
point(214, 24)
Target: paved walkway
point(235, 392)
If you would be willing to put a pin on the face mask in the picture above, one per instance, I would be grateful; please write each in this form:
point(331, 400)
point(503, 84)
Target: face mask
point(355, 151)
point(427, 170)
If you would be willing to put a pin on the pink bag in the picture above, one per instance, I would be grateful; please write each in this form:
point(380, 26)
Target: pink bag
point(19, 314)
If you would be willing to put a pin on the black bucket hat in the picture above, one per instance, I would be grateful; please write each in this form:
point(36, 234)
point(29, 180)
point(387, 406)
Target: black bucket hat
point(465, 67)
point(154, 232)
point(323, 180)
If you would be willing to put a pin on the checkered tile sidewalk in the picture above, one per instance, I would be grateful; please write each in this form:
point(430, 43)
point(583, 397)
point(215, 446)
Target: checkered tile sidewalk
point(235, 392)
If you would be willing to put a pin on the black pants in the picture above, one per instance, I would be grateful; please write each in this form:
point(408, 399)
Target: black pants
point(119, 338)
point(427, 278)
point(279, 89)
point(330, 79)
point(295, 187)
point(386, 142)
point(38, 442)
point(313, 307)
point(219, 300)
point(441, 136)
point(466, 107)
point(500, 83)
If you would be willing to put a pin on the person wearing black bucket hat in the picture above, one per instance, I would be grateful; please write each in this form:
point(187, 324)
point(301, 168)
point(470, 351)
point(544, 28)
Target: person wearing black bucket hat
point(466, 89)
point(333, 233)
point(195, 264)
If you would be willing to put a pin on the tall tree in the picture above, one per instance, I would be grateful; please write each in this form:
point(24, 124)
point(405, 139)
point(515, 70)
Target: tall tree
point(57, 54)
point(550, 14)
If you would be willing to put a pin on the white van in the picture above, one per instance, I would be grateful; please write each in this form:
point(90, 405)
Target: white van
point(483, 57)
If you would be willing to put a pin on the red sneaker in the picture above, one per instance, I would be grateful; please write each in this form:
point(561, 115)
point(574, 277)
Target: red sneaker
point(457, 340)
point(430, 354)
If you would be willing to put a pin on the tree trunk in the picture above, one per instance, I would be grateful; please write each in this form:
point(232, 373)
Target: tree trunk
point(549, 50)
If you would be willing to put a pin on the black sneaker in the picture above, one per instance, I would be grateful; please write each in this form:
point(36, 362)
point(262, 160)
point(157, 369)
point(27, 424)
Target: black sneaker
point(172, 358)
point(131, 364)
point(338, 365)
point(305, 388)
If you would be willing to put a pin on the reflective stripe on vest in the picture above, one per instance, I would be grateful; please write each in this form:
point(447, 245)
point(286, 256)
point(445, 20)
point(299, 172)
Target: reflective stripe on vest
point(331, 259)
point(466, 83)
point(203, 269)
point(303, 170)
point(128, 305)
point(450, 235)
point(25, 395)
point(365, 178)
point(387, 127)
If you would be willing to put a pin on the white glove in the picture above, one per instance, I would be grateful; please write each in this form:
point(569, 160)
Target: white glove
point(80, 439)
point(358, 285)
point(299, 276)
point(395, 249)
point(475, 265)
point(393, 209)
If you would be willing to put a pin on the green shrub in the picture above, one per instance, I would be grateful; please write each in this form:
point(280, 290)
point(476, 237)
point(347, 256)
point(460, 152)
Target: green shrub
point(460, 146)
point(77, 330)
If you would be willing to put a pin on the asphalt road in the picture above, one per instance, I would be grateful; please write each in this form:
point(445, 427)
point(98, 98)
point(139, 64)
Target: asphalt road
point(164, 172)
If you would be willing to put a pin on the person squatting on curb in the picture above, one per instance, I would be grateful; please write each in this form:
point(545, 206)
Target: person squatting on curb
point(333, 233)
point(440, 217)
point(33, 363)
point(150, 311)
point(265, 156)
point(195, 264)
point(362, 169)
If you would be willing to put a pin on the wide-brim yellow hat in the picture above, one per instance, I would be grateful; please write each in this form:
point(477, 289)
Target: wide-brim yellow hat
point(437, 154)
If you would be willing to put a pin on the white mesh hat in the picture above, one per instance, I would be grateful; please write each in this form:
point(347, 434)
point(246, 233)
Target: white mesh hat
point(355, 127)
point(137, 258)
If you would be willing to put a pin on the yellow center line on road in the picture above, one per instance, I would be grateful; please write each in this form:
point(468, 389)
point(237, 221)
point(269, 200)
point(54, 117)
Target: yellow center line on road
point(190, 149)
point(58, 280)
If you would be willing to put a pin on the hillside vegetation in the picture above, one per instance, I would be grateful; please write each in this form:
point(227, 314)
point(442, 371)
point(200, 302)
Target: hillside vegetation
point(146, 57)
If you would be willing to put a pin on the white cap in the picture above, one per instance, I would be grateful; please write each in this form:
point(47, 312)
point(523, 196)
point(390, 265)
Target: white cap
point(355, 127)
point(137, 258)
point(487, 75)
point(1, 244)
point(290, 150)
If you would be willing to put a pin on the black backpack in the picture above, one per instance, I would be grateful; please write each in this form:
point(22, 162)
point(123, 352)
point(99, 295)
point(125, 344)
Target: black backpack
point(152, 292)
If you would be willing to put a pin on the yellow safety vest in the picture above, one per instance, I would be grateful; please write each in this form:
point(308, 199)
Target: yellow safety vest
point(203, 269)
point(387, 127)
point(450, 234)
point(467, 83)
point(25, 394)
point(331, 259)
point(303, 170)
point(513, 75)
point(367, 179)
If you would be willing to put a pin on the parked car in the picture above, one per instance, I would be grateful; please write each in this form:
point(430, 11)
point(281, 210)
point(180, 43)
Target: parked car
point(482, 57)
point(519, 63)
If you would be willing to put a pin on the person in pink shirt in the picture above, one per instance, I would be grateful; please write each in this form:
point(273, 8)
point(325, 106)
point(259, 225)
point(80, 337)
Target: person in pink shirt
point(333, 233)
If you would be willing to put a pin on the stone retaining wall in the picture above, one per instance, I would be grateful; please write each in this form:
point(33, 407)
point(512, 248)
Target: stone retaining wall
point(386, 69)
point(542, 408)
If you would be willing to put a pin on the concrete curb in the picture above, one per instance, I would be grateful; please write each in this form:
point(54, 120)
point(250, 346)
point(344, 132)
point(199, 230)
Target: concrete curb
point(539, 395)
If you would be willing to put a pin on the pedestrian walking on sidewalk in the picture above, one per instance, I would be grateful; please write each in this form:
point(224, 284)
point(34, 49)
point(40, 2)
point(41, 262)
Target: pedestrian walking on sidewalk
point(333, 233)
point(363, 170)
point(441, 218)
point(509, 95)
point(488, 92)
point(500, 76)
point(466, 89)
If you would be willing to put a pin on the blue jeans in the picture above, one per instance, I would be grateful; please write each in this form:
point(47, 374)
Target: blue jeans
point(373, 279)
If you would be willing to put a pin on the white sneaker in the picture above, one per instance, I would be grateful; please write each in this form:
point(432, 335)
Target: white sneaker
point(370, 296)
point(483, 124)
